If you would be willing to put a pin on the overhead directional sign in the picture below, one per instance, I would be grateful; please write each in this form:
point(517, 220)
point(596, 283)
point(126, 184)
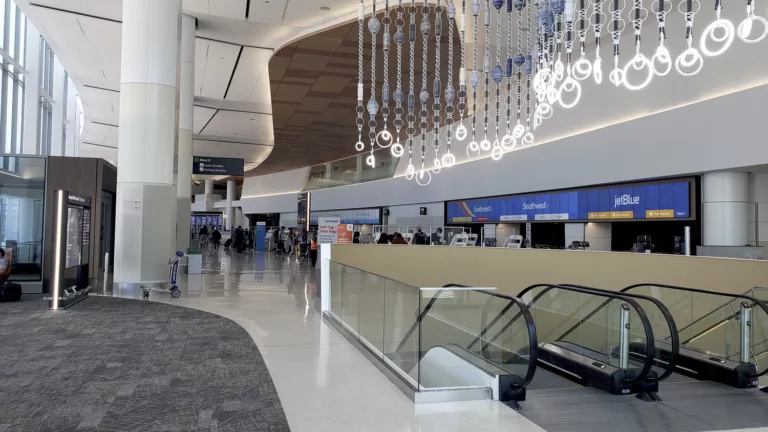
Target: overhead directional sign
point(664, 200)
point(203, 165)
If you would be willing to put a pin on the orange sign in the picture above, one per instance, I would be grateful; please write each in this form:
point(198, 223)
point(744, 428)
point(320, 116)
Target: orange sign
point(345, 234)
point(659, 214)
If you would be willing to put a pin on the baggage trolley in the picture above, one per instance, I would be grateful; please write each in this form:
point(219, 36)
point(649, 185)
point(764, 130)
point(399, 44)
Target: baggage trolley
point(172, 287)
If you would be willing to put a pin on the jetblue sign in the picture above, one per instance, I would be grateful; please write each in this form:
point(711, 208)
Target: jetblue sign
point(668, 200)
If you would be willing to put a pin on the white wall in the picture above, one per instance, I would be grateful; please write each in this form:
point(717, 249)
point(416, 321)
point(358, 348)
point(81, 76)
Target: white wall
point(597, 234)
point(408, 215)
point(289, 219)
point(687, 140)
point(275, 184)
point(270, 204)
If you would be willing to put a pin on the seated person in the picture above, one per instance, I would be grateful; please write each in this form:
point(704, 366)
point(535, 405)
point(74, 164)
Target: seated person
point(5, 264)
point(399, 239)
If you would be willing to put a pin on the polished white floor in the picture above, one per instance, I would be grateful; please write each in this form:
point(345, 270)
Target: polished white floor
point(324, 383)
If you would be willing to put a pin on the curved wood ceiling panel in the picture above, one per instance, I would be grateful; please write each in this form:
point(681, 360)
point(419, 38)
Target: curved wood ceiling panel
point(314, 93)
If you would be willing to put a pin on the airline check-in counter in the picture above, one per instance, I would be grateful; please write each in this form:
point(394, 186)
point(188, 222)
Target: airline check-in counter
point(649, 216)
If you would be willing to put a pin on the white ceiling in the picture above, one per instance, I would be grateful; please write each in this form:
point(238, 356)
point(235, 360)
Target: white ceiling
point(232, 114)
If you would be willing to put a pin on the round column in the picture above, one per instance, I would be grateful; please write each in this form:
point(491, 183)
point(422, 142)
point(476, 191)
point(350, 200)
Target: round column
point(186, 113)
point(725, 208)
point(145, 225)
point(208, 187)
point(231, 191)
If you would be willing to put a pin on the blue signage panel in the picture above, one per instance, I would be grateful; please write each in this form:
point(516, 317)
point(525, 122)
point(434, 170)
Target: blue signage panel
point(649, 201)
point(369, 216)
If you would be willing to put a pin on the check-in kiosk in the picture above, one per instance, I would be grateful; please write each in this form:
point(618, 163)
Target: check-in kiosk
point(71, 249)
point(513, 242)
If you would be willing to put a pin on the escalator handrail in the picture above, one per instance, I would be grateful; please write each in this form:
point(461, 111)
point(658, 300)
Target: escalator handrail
point(533, 343)
point(674, 336)
point(650, 347)
point(754, 300)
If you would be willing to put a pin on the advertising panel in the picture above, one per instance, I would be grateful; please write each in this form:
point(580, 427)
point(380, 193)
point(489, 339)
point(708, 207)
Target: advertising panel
point(670, 200)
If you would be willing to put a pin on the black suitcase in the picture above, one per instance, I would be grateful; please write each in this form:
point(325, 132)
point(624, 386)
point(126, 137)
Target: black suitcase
point(10, 292)
point(228, 243)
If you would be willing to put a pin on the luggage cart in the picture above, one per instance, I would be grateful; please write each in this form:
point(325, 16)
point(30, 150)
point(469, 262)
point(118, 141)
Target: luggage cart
point(172, 286)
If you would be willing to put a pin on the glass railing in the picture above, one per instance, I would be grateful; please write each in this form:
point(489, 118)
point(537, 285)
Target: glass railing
point(667, 342)
point(352, 170)
point(714, 323)
point(416, 331)
point(590, 323)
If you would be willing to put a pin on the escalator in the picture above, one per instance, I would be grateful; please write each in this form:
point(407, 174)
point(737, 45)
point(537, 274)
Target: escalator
point(586, 338)
point(723, 337)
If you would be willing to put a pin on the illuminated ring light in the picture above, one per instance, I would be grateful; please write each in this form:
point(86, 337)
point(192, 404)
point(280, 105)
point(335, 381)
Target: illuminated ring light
point(527, 139)
point(436, 166)
point(509, 142)
point(423, 178)
point(449, 160)
point(687, 59)
point(616, 77)
point(544, 111)
point(359, 146)
point(473, 150)
point(597, 71)
point(541, 80)
point(569, 85)
point(397, 150)
point(661, 56)
point(410, 171)
point(725, 39)
point(461, 132)
point(638, 63)
point(537, 121)
point(552, 95)
point(370, 161)
point(581, 69)
point(559, 70)
point(745, 29)
point(518, 131)
point(497, 153)
point(485, 145)
point(384, 136)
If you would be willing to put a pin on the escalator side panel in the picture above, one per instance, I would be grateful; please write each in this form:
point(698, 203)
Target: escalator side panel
point(711, 368)
point(592, 373)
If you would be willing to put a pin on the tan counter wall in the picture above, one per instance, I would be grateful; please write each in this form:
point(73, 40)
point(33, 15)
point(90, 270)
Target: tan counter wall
point(512, 270)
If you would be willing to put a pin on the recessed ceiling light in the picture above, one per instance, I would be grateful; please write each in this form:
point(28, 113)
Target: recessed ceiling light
point(325, 8)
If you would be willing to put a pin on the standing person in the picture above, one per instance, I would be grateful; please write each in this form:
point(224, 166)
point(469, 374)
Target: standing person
point(356, 237)
point(437, 237)
point(247, 239)
point(313, 250)
point(239, 239)
point(419, 238)
point(216, 238)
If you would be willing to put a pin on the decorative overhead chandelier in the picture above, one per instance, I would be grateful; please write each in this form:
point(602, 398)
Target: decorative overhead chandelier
point(524, 82)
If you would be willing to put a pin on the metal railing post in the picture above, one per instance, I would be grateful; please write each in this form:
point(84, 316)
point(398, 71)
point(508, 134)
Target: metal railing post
point(624, 336)
point(745, 324)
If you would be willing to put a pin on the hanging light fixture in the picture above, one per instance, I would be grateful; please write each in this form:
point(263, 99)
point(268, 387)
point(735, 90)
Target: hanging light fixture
point(639, 61)
point(690, 61)
point(397, 148)
point(373, 105)
point(448, 159)
point(661, 60)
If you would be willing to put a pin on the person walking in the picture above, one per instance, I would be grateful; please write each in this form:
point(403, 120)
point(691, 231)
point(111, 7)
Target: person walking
point(216, 238)
point(313, 250)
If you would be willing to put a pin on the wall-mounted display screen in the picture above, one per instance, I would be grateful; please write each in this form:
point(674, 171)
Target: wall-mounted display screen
point(74, 236)
point(667, 200)
point(371, 216)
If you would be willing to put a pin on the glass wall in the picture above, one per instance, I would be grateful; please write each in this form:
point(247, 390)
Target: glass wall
point(22, 194)
point(13, 30)
point(352, 170)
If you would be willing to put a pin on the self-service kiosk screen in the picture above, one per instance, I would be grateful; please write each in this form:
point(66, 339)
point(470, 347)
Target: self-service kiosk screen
point(74, 236)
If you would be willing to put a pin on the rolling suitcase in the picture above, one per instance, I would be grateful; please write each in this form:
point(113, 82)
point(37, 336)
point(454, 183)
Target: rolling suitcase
point(228, 243)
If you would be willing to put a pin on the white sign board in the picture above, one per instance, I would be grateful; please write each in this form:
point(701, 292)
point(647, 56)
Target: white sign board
point(328, 230)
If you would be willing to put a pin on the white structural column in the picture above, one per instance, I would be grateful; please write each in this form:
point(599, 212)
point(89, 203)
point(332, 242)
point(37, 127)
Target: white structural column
point(209, 187)
point(186, 112)
point(145, 234)
point(231, 191)
point(725, 207)
point(31, 92)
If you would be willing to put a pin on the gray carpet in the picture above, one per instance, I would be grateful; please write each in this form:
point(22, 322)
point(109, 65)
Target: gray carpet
point(125, 365)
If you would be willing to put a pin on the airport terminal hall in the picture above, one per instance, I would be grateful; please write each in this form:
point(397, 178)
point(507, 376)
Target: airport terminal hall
point(383, 216)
